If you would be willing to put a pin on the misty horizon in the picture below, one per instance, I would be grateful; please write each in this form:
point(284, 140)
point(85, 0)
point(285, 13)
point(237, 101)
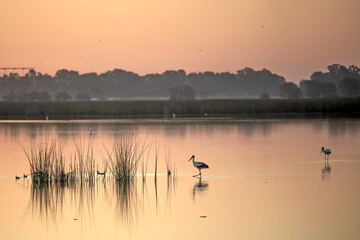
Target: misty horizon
point(177, 85)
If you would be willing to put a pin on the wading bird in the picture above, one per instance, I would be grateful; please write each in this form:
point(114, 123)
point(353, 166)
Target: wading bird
point(198, 165)
point(327, 152)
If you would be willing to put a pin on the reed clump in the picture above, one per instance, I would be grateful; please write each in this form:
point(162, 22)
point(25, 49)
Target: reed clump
point(82, 164)
point(124, 157)
point(48, 163)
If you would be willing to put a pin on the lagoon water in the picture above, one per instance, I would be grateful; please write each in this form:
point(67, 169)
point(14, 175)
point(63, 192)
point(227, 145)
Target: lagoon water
point(267, 180)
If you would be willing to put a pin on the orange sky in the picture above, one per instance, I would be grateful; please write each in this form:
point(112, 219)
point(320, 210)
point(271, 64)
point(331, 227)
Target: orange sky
point(151, 36)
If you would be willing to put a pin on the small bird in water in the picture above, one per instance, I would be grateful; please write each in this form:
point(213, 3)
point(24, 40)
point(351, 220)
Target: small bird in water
point(17, 178)
point(25, 176)
point(327, 152)
point(198, 165)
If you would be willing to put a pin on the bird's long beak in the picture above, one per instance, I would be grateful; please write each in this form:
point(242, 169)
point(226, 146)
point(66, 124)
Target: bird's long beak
point(190, 159)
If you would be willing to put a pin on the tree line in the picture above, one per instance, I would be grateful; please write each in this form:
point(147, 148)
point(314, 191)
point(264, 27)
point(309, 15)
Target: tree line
point(118, 84)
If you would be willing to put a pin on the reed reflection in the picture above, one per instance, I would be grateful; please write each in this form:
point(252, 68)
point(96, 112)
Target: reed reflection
point(48, 200)
point(170, 189)
point(126, 202)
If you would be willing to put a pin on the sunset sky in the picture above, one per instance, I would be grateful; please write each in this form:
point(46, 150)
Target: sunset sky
point(289, 37)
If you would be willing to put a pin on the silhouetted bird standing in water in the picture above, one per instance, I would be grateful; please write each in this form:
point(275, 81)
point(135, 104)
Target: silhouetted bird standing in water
point(198, 165)
point(327, 152)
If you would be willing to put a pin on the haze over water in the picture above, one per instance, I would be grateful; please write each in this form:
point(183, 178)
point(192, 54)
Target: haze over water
point(267, 180)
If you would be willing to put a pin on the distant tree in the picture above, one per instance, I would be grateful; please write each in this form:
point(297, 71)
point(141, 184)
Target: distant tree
point(184, 92)
point(82, 97)
point(349, 87)
point(264, 96)
point(62, 96)
point(290, 90)
point(39, 96)
point(66, 74)
point(32, 73)
point(316, 89)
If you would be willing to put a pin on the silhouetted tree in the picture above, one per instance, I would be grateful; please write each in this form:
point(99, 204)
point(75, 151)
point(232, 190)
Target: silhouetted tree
point(349, 87)
point(290, 90)
point(316, 89)
point(32, 73)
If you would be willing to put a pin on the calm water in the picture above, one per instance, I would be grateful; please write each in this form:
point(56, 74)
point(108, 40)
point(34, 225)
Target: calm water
point(267, 180)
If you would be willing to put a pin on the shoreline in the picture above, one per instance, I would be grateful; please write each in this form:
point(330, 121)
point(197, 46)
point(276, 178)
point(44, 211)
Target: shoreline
point(164, 109)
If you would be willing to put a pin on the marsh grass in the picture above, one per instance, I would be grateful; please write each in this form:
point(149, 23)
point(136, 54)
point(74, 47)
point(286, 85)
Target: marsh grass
point(170, 168)
point(144, 164)
point(83, 163)
point(124, 157)
point(156, 160)
point(48, 163)
point(46, 160)
point(193, 108)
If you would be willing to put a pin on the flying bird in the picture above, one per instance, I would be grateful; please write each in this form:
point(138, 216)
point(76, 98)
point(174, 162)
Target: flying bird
point(198, 165)
point(327, 152)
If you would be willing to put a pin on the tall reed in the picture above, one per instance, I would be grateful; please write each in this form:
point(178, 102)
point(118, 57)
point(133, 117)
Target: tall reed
point(156, 160)
point(83, 164)
point(123, 159)
point(167, 160)
point(144, 165)
point(46, 160)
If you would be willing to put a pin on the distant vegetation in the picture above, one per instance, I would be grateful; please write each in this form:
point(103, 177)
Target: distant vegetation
point(189, 108)
point(118, 84)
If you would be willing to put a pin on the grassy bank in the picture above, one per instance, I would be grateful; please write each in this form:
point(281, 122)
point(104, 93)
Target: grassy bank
point(164, 109)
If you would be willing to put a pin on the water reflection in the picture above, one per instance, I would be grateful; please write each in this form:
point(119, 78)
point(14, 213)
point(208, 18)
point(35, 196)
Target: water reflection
point(77, 200)
point(47, 201)
point(199, 188)
point(325, 172)
point(126, 205)
point(179, 128)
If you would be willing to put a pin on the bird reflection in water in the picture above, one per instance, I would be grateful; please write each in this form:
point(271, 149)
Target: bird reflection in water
point(199, 187)
point(325, 172)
